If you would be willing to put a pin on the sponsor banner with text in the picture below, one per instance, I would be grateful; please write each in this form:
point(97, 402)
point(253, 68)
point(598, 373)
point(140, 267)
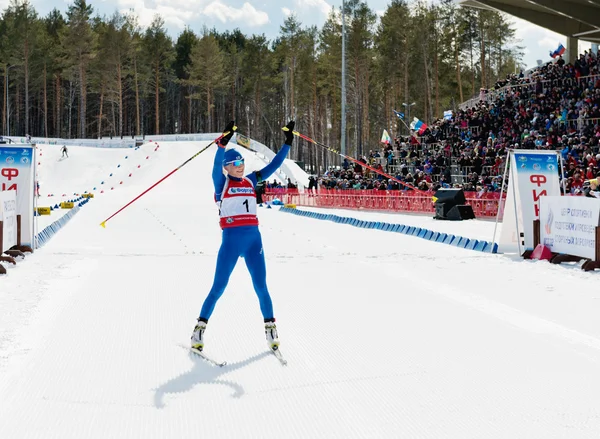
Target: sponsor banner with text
point(568, 225)
point(17, 174)
point(536, 174)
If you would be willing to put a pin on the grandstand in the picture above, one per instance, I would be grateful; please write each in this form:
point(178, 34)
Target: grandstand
point(556, 106)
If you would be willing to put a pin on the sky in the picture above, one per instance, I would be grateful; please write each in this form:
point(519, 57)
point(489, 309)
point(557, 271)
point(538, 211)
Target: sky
point(265, 17)
point(386, 335)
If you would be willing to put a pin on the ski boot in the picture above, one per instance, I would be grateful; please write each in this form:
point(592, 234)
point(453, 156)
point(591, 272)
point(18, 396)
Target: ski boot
point(271, 333)
point(198, 335)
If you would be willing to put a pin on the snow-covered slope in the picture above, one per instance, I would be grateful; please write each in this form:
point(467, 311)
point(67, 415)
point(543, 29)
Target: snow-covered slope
point(387, 336)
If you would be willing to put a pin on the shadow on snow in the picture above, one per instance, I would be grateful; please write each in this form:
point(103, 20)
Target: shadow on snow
point(202, 372)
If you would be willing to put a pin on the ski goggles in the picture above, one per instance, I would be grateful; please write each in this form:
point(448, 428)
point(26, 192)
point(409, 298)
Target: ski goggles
point(235, 163)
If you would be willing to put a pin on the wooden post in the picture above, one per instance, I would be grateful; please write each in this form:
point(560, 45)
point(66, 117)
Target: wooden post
point(592, 265)
point(597, 244)
point(536, 233)
point(19, 230)
point(536, 239)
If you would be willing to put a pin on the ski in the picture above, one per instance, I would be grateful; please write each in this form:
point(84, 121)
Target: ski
point(202, 355)
point(279, 356)
point(207, 358)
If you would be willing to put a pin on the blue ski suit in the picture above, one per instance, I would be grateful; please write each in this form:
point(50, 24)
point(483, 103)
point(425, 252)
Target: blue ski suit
point(241, 241)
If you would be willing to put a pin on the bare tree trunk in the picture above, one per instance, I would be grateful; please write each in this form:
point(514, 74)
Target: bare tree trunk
point(57, 108)
point(427, 103)
point(482, 48)
point(233, 92)
point(357, 112)
point(499, 60)
point(258, 107)
point(367, 125)
point(437, 82)
point(292, 90)
point(336, 129)
point(190, 113)
point(70, 108)
point(120, 91)
point(156, 103)
point(46, 101)
point(209, 110)
point(314, 119)
point(126, 127)
point(113, 125)
point(248, 120)
point(4, 113)
point(386, 108)
point(82, 100)
point(100, 115)
point(137, 98)
point(458, 78)
point(18, 111)
point(472, 64)
point(26, 73)
point(406, 90)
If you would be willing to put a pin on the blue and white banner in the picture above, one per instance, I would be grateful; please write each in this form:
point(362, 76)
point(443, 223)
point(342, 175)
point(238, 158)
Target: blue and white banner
point(533, 174)
point(398, 114)
point(568, 225)
point(17, 174)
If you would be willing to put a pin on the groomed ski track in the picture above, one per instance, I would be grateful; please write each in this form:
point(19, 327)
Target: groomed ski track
point(386, 335)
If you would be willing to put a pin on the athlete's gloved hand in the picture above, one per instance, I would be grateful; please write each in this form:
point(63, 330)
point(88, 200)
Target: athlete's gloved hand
point(228, 133)
point(288, 131)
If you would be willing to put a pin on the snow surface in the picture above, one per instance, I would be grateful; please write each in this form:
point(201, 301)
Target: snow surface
point(386, 335)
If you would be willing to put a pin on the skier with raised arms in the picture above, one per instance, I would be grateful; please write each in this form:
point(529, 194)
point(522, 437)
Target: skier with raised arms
point(235, 196)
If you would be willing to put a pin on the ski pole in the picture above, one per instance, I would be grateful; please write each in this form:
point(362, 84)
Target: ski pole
point(364, 165)
point(103, 223)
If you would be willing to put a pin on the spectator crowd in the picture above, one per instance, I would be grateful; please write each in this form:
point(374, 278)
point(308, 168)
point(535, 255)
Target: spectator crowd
point(554, 107)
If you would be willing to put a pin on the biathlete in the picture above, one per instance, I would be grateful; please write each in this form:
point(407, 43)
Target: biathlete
point(235, 196)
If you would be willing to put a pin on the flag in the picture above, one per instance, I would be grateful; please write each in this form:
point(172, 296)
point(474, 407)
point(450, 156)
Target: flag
point(448, 114)
point(418, 126)
point(559, 51)
point(400, 115)
point(385, 138)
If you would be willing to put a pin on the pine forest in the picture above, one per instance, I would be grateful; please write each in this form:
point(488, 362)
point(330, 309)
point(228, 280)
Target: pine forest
point(80, 75)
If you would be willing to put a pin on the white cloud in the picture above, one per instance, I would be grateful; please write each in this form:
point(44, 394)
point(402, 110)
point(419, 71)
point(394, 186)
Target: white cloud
point(179, 13)
point(247, 14)
point(286, 11)
point(176, 13)
point(311, 5)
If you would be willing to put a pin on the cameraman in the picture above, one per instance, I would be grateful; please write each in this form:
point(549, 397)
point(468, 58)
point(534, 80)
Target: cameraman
point(591, 188)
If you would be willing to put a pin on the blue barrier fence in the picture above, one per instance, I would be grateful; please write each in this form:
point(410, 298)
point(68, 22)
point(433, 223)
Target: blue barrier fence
point(44, 236)
point(430, 235)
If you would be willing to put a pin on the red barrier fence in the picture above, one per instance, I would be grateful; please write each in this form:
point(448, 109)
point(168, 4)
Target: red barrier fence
point(393, 201)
